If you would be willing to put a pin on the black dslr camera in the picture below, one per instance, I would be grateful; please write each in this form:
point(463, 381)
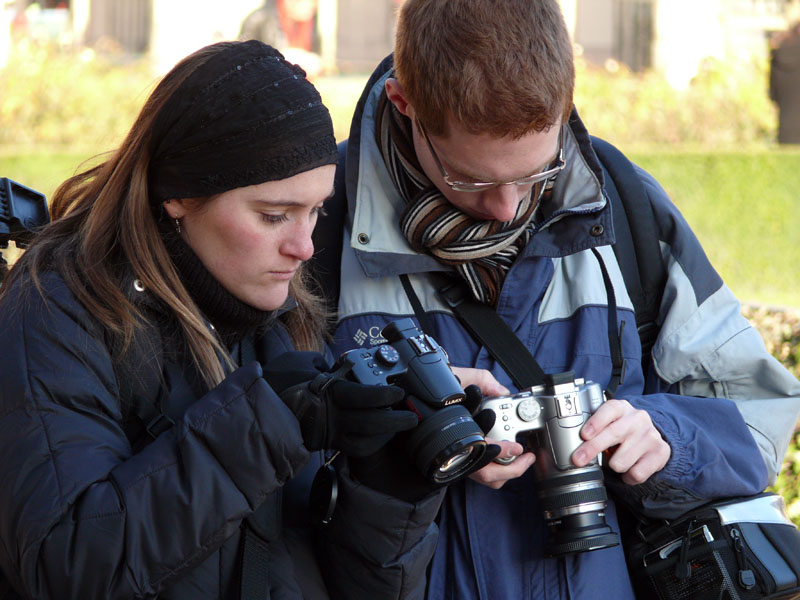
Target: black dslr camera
point(547, 419)
point(22, 211)
point(447, 444)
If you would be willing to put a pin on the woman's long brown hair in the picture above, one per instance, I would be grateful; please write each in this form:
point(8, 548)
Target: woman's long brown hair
point(102, 217)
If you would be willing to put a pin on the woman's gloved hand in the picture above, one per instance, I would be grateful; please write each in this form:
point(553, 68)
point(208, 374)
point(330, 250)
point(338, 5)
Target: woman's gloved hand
point(392, 471)
point(472, 402)
point(335, 413)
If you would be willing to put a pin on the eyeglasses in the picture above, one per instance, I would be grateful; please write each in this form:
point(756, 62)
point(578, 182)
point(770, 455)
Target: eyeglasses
point(480, 186)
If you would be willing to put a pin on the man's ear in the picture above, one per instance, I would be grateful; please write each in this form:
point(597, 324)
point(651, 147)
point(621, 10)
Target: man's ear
point(396, 95)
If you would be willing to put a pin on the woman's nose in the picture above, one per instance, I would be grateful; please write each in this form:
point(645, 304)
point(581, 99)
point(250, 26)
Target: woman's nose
point(298, 242)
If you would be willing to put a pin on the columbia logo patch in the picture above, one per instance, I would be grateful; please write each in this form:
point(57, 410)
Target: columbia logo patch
point(372, 337)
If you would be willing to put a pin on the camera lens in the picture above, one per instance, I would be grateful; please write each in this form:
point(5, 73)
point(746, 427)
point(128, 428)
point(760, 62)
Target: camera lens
point(454, 461)
point(447, 444)
point(574, 507)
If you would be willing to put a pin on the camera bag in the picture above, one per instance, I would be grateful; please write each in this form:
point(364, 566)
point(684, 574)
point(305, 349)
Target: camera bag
point(737, 549)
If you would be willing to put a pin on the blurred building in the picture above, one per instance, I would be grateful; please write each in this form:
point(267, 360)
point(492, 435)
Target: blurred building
point(671, 36)
point(675, 36)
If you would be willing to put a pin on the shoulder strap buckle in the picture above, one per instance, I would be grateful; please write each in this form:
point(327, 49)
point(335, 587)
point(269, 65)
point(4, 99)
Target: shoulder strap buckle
point(452, 294)
point(158, 425)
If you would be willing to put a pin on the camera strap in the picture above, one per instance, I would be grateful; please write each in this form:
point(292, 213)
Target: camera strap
point(487, 327)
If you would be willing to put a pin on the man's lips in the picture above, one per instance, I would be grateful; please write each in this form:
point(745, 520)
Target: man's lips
point(482, 217)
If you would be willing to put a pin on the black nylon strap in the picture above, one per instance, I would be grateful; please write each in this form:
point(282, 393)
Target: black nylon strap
point(138, 370)
point(422, 316)
point(485, 325)
point(247, 350)
point(637, 247)
point(614, 338)
point(253, 567)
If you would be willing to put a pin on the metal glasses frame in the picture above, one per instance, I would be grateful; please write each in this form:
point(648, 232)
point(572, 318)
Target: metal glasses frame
point(480, 186)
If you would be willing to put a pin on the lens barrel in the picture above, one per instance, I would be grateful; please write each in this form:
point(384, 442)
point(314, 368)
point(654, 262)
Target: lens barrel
point(574, 505)
point(447, 444)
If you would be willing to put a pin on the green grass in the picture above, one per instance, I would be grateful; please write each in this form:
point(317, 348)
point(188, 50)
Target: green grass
point(41, 171)
point(744, 207)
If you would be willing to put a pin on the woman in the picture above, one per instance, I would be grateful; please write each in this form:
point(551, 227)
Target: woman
point(140, 460)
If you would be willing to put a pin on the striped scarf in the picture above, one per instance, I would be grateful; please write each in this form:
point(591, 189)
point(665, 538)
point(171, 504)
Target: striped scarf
point(482, 252)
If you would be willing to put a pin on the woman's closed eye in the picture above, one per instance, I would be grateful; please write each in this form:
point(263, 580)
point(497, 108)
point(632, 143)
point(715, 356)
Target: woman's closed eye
point(278, 218)
point(274, 219)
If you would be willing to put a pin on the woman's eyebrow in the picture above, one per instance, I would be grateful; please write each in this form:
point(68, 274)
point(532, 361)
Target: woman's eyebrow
point(277, 202)
point(291, 201)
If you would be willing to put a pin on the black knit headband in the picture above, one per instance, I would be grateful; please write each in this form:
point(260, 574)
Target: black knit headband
point(244, 117)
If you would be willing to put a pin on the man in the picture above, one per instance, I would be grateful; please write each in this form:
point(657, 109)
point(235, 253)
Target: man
point(466, 161)
point(784, 83)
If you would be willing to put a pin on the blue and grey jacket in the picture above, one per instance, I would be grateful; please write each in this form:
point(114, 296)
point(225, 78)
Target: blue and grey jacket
point(724, 405)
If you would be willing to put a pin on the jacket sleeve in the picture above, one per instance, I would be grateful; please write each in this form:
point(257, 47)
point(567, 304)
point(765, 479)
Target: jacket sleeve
point(80, 515)
point(726, 407)
point(377, 546)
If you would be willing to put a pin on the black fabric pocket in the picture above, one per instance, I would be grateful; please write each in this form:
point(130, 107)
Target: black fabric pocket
point(739, 549)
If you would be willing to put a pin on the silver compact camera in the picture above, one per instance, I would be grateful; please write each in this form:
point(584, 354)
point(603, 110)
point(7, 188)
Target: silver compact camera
point(562, 408)
point(547, 420)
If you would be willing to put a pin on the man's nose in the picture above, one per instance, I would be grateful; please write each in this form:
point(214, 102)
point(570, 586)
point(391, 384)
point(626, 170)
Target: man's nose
point(502, 202)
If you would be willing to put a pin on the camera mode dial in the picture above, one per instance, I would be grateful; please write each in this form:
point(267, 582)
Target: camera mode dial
point(387, 355)
point(529, 409)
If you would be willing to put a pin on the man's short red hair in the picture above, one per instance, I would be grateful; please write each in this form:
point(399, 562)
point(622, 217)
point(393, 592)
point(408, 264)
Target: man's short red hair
point(503, 67)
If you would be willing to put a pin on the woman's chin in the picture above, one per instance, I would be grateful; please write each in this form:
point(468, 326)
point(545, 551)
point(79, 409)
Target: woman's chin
point(266, 301)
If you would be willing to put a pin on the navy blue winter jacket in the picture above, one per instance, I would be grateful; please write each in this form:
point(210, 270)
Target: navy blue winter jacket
point(85, 516)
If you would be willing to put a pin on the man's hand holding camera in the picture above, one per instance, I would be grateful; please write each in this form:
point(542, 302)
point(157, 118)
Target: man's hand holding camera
point(635, 446)
point(494, 474)
point(632, 445)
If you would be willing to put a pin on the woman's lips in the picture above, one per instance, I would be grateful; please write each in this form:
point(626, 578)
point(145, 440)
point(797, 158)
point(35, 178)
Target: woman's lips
point(283, 274)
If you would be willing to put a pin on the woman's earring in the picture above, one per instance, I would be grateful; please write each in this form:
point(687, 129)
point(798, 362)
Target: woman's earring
point(177, 224)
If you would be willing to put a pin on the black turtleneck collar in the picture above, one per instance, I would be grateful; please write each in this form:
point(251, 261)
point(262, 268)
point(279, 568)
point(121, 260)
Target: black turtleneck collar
point(232, 318)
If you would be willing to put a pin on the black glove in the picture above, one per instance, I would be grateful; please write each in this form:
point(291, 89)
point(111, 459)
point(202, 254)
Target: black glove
point(393, 472)
point(484, 418)
point(335, 413)
point(292, 368)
